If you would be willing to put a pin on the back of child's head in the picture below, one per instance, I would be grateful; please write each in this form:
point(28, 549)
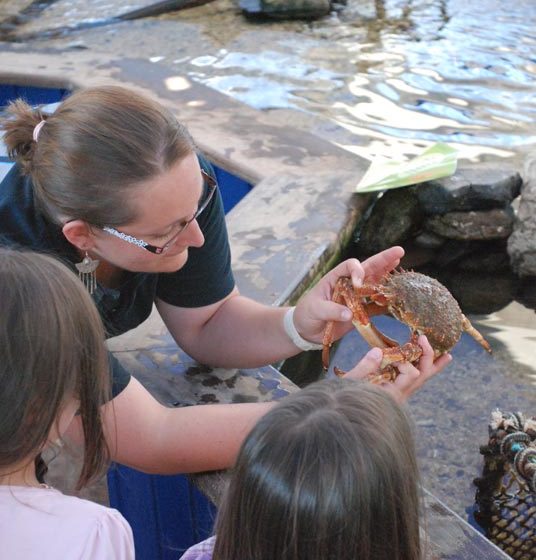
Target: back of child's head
point(329, 473)
point(51, 350)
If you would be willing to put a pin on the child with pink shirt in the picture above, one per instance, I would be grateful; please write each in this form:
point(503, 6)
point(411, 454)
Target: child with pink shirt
point(53, 366)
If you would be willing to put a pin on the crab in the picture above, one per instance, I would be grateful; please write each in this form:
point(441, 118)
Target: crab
point(420, 302)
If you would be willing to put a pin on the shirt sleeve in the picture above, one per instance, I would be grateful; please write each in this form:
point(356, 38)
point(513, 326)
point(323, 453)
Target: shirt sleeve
point(120, 376)
point(207, 276)
point(200, 551)
point(110, 538)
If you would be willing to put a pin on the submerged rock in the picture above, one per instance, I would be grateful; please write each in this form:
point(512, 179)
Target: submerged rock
point(474, 256)
point(481, 293)
point(287, 9)
point(522, 242)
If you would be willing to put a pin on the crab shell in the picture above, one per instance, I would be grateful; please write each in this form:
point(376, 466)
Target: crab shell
point(426, 306)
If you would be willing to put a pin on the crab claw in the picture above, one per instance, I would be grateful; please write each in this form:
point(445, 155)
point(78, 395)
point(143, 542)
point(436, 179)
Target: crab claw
point(409, 352)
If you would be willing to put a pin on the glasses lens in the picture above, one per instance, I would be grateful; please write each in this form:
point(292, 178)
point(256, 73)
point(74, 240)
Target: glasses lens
point(211, 188)
point(211, 184)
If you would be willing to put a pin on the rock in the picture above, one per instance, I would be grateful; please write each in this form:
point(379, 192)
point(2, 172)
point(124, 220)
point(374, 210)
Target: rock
point(474, 256)
point(429, 240)
point(286, 9)
point(474, 225)
point(480, 261)
point(527, 292)
point(416, 257)
point(471, 188)
point(394, 218)
point(522, 242)
point(453, 252)
point(481, 293)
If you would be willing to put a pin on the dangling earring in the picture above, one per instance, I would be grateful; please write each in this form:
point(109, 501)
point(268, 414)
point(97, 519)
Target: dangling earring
point(87, 272)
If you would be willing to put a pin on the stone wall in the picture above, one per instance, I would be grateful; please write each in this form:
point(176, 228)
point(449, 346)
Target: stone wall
point(474, 231)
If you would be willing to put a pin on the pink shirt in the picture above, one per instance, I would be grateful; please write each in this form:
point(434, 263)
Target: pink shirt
point(44, 524)
point(200, 551)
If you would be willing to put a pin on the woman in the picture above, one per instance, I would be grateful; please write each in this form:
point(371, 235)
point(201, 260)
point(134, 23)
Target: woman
point(112, 184)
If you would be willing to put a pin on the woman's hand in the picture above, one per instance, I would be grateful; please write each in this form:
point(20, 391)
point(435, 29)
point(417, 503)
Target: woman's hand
point(315, 308)
point(411, 378)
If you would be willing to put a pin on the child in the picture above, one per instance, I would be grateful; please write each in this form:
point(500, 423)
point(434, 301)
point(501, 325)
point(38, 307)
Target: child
point(329, 473)
point(53, 366)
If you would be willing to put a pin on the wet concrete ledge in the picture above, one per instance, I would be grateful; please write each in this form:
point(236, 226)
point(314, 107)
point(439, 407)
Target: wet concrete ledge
point(301, 211)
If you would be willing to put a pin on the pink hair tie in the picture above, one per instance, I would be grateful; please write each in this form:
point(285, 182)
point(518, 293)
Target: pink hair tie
point(37, 130)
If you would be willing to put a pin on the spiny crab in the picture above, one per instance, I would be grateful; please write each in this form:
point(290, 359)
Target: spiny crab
point(417, 300)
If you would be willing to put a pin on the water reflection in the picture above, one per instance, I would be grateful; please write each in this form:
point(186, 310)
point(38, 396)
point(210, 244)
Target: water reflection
point(411, 74)
point(515, 328)
point(382, 79)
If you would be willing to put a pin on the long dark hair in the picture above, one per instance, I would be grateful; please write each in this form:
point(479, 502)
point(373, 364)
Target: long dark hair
point(51, 349)
point(97, 146)
point(329, 473)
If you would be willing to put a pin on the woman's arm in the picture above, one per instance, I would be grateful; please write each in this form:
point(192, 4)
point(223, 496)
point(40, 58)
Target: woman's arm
point(235, 332)
point(143, 434)
point(239, 332)
point(150, 437)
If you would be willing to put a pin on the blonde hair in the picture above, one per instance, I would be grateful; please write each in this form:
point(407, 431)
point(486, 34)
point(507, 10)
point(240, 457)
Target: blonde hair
point(97, 146)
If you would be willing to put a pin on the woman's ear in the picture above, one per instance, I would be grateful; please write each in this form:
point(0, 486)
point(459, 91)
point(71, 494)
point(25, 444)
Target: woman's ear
point(79, 234)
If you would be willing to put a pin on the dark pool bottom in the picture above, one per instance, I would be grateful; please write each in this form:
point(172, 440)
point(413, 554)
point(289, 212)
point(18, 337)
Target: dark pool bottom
point(452, 411)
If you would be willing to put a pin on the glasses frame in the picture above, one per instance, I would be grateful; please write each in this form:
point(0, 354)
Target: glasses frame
point(212, 187)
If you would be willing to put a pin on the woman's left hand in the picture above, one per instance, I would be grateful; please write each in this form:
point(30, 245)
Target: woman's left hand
point(411, 378)
point(315, 308)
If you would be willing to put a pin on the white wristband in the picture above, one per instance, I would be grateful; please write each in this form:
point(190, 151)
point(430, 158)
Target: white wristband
point(294, 335)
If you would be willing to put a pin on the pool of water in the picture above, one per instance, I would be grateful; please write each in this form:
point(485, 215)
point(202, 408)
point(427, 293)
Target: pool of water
point(381, 78)
point(512, 334)
point(390, 77)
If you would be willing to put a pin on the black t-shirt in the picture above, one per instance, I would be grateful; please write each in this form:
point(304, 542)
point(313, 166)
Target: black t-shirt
point(205, 279)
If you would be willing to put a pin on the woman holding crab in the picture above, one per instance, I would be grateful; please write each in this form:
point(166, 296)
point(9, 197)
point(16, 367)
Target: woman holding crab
point(112, 184)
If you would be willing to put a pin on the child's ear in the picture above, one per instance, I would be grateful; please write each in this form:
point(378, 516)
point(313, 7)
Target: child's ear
point(79, 234)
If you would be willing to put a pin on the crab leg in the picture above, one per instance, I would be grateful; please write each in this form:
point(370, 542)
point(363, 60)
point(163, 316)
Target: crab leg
point(327, 340)
point(345, 293)
point(361, 320)
point(468, 328)
point(409, 352)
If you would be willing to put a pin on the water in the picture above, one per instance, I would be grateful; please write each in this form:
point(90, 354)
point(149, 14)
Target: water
point(388, 78)
point(382, 79)
point(512, 335)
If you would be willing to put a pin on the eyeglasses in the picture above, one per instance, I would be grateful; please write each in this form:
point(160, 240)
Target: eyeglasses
point(212, 186)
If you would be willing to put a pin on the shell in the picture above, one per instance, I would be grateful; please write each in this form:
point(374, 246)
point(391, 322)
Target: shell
point(426, 306)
